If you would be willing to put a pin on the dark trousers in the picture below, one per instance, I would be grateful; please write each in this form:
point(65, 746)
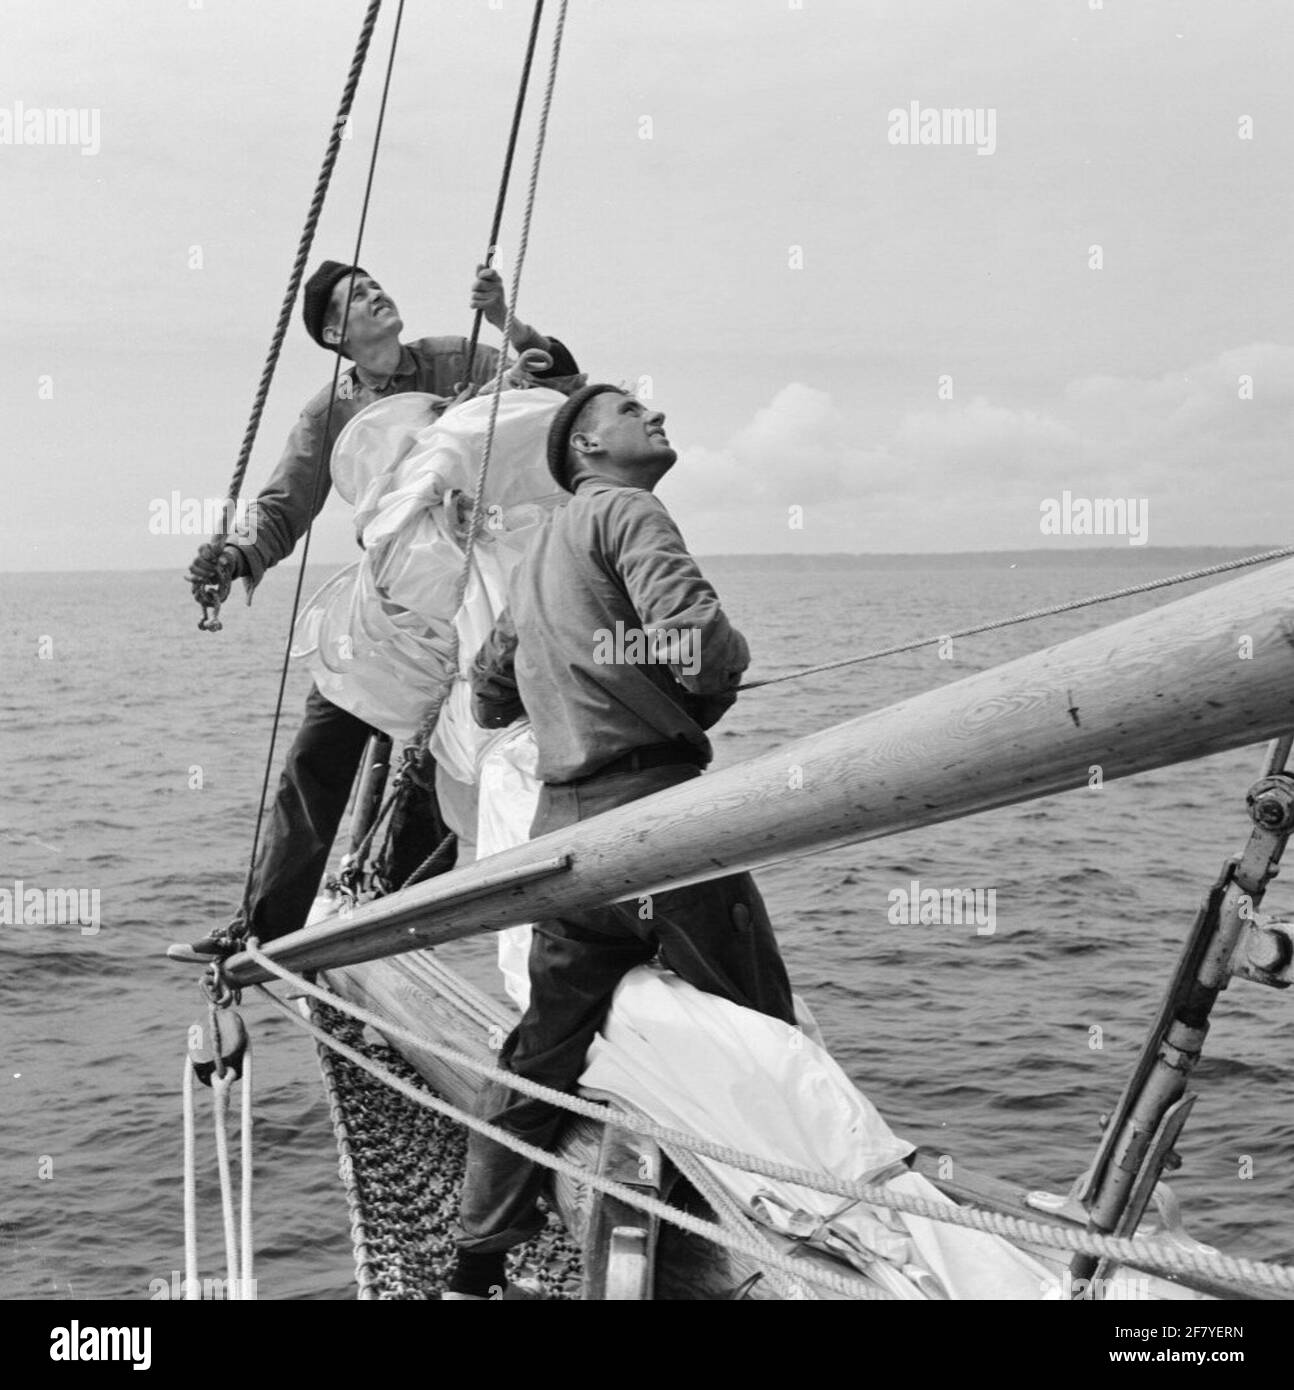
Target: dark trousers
point(716, 935)
point(311, 800)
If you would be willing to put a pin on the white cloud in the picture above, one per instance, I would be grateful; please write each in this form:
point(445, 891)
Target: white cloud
point(972, 475)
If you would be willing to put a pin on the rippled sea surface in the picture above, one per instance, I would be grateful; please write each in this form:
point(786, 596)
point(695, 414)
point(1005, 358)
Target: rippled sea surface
point(132, 749)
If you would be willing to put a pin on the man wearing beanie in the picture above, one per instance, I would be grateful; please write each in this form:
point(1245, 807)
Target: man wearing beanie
point(345, 311)
point(617, 647)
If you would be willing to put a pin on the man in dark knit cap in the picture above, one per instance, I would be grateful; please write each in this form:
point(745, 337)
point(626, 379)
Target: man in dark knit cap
point(347, 312)
point(616, 647)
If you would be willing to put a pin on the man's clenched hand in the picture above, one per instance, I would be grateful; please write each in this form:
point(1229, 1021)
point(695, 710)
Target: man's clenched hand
point(216, 565)
point(488, 296)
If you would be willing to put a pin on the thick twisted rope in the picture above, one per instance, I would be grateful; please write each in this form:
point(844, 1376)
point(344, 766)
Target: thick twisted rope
point(299, 261)
point(191, 1283)
point(1282, 553)
point(851, 1288)
point(321, 472)
point(734, 1216)
point(1139, 1252)
point(474, 526)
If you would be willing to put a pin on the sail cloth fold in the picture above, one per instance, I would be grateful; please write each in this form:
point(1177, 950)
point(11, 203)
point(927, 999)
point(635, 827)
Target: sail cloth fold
point(378, 637)
point(766, 1089)
point(379, 641)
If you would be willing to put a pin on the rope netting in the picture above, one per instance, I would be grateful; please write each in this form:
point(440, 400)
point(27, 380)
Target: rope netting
point(736, 1230)
point(1137, 1252)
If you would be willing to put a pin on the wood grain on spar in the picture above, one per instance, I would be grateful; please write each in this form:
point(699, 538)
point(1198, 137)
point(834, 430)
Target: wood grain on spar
point(1204, 674)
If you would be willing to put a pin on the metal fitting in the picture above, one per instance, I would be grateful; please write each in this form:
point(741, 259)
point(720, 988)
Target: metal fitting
point(1271, 802)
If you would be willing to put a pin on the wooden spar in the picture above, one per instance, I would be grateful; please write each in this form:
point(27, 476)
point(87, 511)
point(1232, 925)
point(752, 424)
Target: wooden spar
point(1209, 672)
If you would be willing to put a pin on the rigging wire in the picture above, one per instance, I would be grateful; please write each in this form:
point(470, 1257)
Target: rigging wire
point(306, 241)
point(504, 180)
point(1282, 552)
point(321, 472)
point(415, 750)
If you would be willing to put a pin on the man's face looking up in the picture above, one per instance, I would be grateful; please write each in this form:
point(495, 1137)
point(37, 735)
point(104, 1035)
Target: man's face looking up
point(371, 319)
point(625, 431)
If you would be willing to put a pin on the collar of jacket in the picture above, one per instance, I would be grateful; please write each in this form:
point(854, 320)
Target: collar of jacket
point(405, 367)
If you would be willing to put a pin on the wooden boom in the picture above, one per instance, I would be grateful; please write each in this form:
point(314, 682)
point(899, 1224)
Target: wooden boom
point(1209, 672)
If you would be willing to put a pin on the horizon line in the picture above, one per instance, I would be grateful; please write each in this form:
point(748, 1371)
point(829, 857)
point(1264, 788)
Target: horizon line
point(1050, 551)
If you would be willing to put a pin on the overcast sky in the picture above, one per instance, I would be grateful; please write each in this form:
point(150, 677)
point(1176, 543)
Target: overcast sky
point(794, 282)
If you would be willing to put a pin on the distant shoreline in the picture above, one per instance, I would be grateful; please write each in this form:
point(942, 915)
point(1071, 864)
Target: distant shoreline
point(1037, 557)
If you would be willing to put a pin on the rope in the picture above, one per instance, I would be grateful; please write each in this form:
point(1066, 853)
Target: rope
point(1187, 578)
point(523, 243)
point(360, 853)
point(220, 1095)
point(239, 1252)
point(1139, 1252)
point(735, 1217)
point(851, 1288)
point(503, 181)
point(364, 1262)
point(321, 472)
point(432, 862)
point(246, 1285)
point(430, 719)
point(467, 999)
point(299, 262)
point(191, 1285)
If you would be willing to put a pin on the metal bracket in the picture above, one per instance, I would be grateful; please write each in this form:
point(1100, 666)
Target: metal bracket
point(1225, 940)
point(1160, 1155)
point(628, 1272)
point(620, 1246)
point(1265, 953)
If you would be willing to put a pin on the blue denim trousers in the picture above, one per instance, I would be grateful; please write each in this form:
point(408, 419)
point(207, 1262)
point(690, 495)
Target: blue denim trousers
point(715, 935)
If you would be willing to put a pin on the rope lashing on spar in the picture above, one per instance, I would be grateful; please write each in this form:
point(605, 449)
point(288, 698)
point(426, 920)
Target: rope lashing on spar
point(207, 595)
point(1137, 1252)
point(1283, 552)
point(321, 472)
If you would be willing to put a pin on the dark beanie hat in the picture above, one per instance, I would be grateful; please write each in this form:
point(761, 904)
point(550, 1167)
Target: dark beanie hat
point(318, 292)
point(559, 432)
